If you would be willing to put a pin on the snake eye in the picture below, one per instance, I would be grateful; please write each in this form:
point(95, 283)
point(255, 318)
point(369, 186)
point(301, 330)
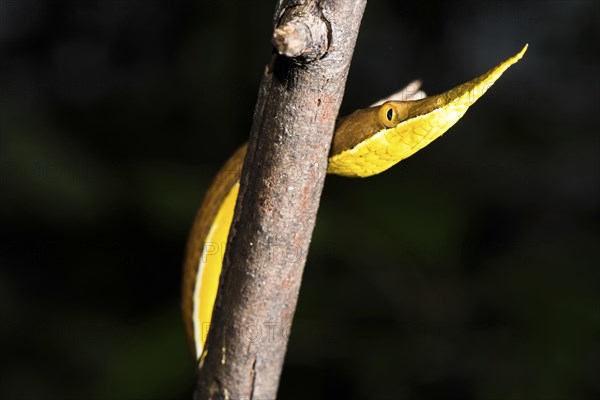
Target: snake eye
point(387, 115)
point(390, 114)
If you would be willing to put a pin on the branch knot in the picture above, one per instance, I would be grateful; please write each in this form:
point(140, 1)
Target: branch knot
point(302, 33)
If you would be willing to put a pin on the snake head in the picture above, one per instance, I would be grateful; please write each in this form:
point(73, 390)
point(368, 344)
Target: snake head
point(373, 139)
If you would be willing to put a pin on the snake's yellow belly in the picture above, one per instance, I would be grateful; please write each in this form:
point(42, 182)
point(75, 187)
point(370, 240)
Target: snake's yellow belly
point(209, 268)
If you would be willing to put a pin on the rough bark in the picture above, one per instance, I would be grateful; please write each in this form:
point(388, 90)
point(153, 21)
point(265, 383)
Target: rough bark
point(281, 184)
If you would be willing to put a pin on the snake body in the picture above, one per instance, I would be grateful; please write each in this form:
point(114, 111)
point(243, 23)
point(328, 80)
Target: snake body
point(365, 143)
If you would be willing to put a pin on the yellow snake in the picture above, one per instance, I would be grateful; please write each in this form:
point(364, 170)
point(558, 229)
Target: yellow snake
point(365, 143)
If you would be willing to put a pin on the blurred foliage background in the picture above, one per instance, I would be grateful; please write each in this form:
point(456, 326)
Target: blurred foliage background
point(469, 271)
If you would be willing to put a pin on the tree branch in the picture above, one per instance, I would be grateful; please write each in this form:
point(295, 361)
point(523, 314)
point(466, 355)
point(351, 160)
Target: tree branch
point(281, 183)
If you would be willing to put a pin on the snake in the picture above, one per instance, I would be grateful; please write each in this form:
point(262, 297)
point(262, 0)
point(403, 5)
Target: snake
point(365, 143)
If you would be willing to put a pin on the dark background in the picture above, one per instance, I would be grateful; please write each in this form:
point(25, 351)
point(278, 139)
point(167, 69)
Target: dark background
point(469, 271)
